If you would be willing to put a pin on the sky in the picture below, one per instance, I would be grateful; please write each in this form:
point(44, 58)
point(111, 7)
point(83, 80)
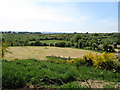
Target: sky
point(38, 16)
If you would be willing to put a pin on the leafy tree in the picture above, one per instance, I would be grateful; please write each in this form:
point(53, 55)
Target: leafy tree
point(76, 38)
point(60, 44)
point(44, 44)
point(80, 43)
point(76, 45)
point(11, 44)
point(26, 43)
point(115, 45)
point(4, 48)
point(37, 43)
point(105, 47)
point(51, 44)
point(69, 45)
point(94, 45)
point(111, 49)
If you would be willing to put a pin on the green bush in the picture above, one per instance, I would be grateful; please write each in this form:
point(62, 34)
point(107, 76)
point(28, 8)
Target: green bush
point(60, 44)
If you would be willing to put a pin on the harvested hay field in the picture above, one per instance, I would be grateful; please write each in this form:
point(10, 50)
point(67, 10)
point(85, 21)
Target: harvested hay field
point(40, 53)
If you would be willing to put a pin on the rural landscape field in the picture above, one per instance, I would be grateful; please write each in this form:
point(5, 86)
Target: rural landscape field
point(59, 44)
point(60, 60)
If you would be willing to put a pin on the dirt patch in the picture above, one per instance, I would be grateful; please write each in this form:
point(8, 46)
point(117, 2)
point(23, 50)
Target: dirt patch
point(99, 84)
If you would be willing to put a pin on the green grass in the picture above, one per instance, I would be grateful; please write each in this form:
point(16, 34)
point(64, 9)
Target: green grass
point(22, 73)
point(88, 49)
point(57, 58)
point(85, 49)
point(54, 41)
point(108, 86)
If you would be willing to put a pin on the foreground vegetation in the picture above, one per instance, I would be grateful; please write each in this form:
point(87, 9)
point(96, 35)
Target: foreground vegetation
point(58, 73)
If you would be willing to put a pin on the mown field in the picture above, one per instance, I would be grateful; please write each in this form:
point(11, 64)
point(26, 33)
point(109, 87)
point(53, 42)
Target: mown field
point(40, 52)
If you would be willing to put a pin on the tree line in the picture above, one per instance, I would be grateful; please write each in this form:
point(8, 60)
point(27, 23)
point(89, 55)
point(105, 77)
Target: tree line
point(94, 41)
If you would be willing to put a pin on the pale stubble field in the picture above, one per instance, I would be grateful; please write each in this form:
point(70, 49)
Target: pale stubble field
point(40, 53)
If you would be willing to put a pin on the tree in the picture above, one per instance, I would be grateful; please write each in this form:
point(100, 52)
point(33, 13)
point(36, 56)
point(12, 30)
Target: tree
point(108, 48)
point(80, 44)
point(4, 48)
point(111, 49)
point(11, 44)
point(75, 38)
point(26, 43)
point(69, 45)
point(76, 45)
point(115, 45)
point(51, 44)
point(60, 44)
point(37, 43)
point(44, 44)
point(105, 47)
point(94, 45)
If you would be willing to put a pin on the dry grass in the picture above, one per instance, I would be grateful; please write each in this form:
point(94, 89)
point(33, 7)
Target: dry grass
point(40, 53)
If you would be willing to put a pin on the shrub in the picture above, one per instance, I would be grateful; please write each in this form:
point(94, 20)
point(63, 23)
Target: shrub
point(37, 43)
point(80, 62)
point(51, 44)
point(60, 44)
point(105, 61)
point(44, 44)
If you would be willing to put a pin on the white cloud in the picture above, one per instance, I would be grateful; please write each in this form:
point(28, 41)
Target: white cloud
point(76, 0)
point(21, 9)
point(18, 15)
point(25, 15)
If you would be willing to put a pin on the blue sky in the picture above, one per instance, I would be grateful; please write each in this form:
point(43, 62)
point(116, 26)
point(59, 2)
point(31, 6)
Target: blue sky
point(32, 15)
